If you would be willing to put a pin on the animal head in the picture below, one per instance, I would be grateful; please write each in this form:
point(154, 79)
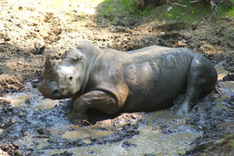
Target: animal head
point(65, 79)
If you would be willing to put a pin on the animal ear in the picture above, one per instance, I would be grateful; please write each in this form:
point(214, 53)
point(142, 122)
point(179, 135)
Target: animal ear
point(74, 54)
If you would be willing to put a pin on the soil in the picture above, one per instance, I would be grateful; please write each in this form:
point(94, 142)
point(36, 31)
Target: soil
point(31, 30)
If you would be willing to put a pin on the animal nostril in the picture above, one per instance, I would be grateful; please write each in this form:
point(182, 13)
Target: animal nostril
point(55, 91)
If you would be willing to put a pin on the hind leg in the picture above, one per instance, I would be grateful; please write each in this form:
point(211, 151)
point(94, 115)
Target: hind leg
point(201, 80)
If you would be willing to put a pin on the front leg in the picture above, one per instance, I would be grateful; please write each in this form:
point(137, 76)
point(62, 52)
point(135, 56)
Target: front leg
point(95, 99)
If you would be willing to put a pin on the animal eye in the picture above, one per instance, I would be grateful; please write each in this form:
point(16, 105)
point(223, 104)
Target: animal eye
point(70, 78)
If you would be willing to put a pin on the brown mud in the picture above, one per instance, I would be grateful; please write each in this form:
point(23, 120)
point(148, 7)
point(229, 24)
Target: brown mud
point(33, 125)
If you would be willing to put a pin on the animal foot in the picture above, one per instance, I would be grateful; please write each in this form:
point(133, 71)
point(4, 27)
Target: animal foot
point(184, 110)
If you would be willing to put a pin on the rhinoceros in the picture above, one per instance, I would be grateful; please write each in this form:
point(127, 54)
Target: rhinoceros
point(112, 81)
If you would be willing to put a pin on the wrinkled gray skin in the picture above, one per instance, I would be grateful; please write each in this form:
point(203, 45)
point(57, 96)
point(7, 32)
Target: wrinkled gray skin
point(142, 80)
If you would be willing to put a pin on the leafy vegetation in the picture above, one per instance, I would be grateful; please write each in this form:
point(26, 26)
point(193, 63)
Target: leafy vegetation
point(224, 11)
point(128, 3)
point(230, 135)
point(232, 142)
point(122, 7)
point(109, 8)
point(186, 12)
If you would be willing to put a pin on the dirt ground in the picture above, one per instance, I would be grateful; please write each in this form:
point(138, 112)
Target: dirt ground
point(31, 30)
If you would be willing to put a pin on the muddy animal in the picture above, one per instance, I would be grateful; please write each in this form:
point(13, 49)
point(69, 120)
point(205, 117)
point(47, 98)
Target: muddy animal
point(112, 81)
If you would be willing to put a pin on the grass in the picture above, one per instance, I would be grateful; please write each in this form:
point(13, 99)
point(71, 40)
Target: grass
point(128, 3)
point(232, 142)
point(112, 10)
point(230, 12)
point(230, 135)
point(225, 11)
point(190, 14)
point(122, 7)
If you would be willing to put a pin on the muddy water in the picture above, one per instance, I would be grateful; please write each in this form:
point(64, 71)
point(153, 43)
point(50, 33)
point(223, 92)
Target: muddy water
point(148, 141)
point(30, 99)
point(164, 133)
point(159, 142)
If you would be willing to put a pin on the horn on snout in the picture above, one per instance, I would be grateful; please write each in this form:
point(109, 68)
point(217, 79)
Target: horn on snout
point(49, 72)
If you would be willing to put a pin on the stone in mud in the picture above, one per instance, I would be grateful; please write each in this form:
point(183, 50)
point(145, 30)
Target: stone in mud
point(141, 80)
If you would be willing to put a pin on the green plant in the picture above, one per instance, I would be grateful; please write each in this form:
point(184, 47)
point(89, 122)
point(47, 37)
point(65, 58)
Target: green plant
point(230, 12)
point(144, 12)
point(108, 7)
point(225, 11)
point(232, 142)
point(230, 135)
point(186, 12)
point(128, 3)
point(183, 11)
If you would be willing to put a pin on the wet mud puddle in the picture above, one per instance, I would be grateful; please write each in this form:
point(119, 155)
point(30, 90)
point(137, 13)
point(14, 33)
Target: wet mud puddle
point(50, 131)
point(226, 88)
point(30, 99)
point(163, 134)
point(44, 128)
